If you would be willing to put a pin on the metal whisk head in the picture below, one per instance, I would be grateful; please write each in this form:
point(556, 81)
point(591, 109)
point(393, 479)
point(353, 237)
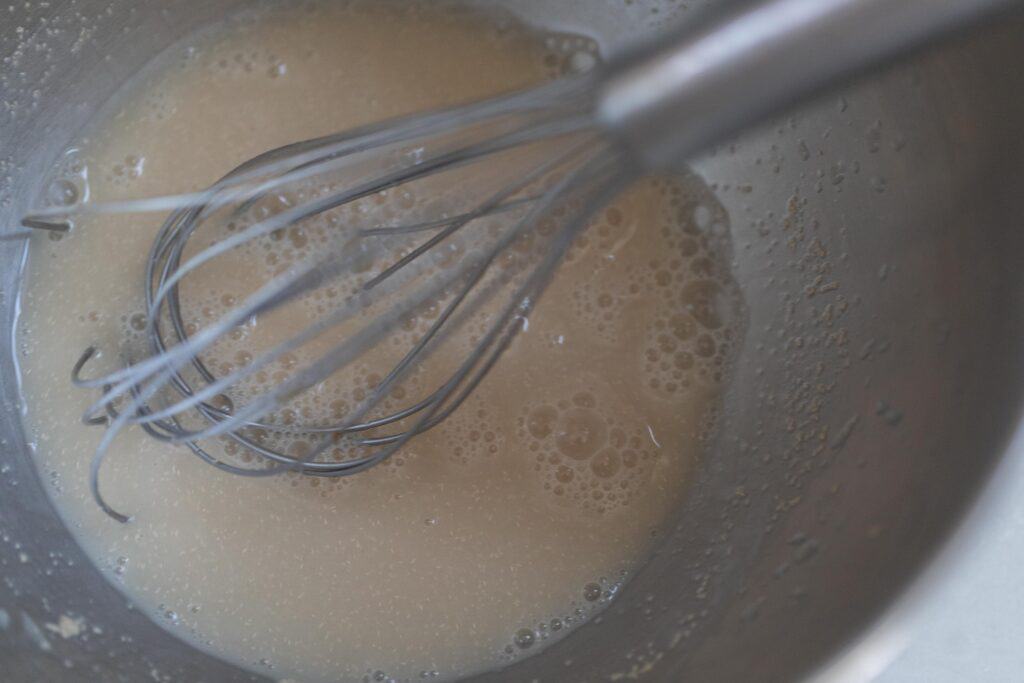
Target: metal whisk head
point(521, 175)
point(539, 159)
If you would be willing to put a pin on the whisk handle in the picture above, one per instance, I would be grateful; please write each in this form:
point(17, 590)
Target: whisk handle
point(738, 67)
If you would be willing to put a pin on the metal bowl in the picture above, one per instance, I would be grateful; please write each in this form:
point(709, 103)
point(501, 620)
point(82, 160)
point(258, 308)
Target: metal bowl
point(878, 246)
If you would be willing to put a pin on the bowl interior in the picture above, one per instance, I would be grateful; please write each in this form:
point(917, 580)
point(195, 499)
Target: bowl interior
point(876, 243)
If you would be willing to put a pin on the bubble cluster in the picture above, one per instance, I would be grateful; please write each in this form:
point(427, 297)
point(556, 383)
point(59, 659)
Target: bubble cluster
point(158, 105)
point(331, 404)
point(471, 434)
point(605, 296)
point(658, 266)
point(68, 184)
point(121, 173)
point(566, 54)
point(258, 62)
point(688, 338)
point(593, 597)
point(588, 457)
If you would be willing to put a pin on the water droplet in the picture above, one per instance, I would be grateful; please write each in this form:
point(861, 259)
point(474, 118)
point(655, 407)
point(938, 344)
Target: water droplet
point(62, 192)
point(525, 638)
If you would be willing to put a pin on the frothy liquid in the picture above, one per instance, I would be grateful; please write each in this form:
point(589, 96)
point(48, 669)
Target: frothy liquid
point(485, 539)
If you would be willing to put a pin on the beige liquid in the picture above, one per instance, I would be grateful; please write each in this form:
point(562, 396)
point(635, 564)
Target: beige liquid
point(487, 538)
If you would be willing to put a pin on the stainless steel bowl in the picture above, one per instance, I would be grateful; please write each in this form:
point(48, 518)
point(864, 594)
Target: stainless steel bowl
point(878, 245)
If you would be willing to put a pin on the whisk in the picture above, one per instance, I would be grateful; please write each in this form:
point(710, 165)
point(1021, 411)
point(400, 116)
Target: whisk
point(573, 143)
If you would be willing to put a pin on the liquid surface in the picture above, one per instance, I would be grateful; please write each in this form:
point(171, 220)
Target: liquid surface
point(485, 539)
